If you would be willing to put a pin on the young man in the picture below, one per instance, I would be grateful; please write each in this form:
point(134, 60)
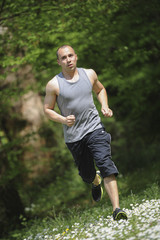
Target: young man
point(84, 134)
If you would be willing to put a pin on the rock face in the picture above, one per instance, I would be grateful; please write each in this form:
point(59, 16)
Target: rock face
point(35, 160)
point(32, 109)
point(29, 119)
point(22, 116)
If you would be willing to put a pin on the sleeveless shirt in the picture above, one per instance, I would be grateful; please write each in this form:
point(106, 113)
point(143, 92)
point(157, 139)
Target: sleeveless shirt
point(75, 98)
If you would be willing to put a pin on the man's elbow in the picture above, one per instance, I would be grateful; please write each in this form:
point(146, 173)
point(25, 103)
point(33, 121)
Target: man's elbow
point(101, 90)
point(45, 109)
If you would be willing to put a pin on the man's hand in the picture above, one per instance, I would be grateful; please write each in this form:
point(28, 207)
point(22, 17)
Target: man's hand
point(107, 112)
point(70, 120)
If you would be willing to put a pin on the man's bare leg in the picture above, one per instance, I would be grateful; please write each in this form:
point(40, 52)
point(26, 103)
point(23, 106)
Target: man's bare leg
point(110, 185)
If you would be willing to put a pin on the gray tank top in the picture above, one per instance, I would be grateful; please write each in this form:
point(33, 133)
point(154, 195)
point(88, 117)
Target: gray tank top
point(75, 98)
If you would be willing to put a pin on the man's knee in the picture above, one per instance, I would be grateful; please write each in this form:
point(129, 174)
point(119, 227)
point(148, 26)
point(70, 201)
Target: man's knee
point(110, 178)
point(88, 179)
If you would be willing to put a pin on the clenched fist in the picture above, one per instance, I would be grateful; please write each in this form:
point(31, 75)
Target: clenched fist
point(107, 112)
point(70, 120)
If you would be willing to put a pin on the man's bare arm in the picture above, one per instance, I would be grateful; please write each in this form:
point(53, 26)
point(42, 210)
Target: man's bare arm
point(49, 105)
point(101, 93)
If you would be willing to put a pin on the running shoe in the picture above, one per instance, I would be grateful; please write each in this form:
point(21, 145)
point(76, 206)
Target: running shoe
point(97, 191)
point(119, 214)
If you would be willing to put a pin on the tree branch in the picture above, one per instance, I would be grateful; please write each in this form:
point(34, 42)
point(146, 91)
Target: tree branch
point(2, 6)
point(27, 11)
point(14, 15)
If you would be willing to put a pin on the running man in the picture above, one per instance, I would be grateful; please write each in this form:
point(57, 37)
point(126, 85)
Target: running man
point(84, 133)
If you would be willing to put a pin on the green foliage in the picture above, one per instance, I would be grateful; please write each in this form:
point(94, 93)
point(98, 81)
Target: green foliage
point(120, 41)
point(82, 216)
point(58, 196)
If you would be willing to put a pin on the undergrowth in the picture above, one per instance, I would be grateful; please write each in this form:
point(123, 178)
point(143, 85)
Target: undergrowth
point(134, 190)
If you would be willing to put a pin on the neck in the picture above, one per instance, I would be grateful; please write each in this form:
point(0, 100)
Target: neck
point(70, 75)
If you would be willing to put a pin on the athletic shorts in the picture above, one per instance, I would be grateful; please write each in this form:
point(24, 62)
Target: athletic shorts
point(93, 149)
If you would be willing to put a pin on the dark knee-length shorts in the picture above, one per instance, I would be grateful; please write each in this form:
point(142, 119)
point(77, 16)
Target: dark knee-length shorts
point(93, 149)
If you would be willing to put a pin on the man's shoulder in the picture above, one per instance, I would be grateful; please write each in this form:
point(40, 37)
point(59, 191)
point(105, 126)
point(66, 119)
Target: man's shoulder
point(53, 81)
point(88, 69)
point(90, 73)
point(52, 85)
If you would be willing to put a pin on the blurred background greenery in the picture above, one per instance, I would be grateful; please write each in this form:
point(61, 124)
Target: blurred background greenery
point(120, 40)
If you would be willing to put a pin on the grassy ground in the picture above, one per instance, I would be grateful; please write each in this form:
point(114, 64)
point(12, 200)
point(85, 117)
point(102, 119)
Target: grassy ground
point(139, 197)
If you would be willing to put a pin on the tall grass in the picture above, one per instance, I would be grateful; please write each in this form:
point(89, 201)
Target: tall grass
point(96, 222)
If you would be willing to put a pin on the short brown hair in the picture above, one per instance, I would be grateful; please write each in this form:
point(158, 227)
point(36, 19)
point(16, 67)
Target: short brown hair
point(63, 46)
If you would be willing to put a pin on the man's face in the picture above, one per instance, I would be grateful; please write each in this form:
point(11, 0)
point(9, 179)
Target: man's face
point(67, 58)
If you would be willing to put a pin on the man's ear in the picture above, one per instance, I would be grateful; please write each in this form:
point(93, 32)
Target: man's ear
point(58, 61)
